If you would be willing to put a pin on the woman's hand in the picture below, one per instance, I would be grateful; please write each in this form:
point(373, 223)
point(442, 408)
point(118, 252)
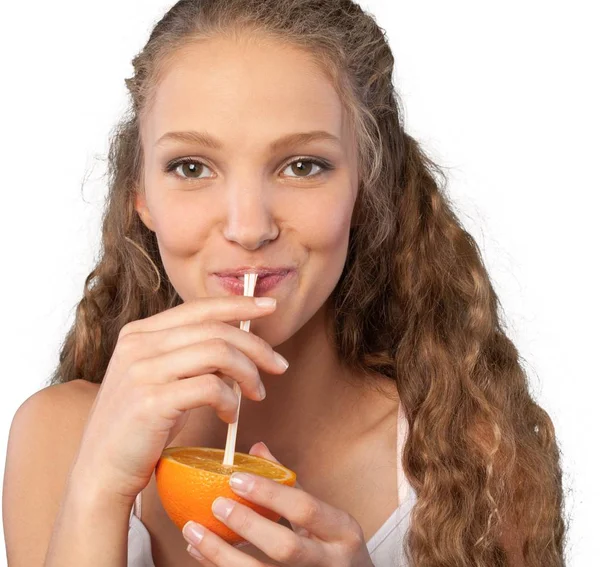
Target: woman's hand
point(322, 536)
point(162, 367)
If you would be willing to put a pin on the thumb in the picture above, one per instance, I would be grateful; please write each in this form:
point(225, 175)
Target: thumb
point(261, 450)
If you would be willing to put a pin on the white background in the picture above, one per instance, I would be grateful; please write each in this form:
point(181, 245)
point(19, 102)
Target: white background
point(503, 95)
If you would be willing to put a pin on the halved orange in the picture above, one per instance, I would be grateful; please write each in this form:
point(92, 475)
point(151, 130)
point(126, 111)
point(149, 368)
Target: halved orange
point(190, 479)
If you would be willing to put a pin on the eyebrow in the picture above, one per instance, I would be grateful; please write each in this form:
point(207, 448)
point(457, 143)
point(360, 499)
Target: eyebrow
point(205, 139)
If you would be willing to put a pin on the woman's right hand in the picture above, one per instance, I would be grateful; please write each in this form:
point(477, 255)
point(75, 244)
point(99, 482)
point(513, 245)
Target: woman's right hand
point(161, 368)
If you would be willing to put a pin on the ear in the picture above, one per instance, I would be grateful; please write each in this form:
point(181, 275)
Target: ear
point(142, 209)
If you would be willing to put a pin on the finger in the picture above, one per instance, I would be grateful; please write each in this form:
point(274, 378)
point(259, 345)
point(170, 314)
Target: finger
point(274, 540)
point(229, 309)
point(195, 360)
point(199, 557)
point(152, 343)
point(198, 391)
point(261, 450)
point(319, 518)
point(216, 551)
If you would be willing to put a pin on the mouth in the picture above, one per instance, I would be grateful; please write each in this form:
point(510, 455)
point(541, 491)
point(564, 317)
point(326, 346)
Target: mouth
point(264, 283)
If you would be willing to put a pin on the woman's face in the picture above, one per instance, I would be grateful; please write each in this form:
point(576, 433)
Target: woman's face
point(249, 198)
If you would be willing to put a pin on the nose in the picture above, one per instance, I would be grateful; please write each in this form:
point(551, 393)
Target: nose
point(249, 220)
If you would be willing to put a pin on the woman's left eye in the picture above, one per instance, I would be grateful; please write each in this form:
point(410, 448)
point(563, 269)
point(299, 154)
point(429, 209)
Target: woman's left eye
point(301, 167)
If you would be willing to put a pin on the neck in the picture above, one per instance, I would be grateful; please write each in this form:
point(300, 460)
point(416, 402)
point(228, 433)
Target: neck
point(317, 406)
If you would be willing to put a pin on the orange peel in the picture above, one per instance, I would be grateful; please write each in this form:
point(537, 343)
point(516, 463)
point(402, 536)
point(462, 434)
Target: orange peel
point(190, 479)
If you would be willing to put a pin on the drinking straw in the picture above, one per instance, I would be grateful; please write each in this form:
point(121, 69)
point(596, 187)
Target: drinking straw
point(249, 284)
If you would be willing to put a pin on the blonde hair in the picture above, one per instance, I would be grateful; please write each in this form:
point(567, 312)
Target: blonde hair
point(414, 302)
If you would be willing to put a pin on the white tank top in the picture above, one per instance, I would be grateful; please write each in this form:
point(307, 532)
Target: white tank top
point(385, 547)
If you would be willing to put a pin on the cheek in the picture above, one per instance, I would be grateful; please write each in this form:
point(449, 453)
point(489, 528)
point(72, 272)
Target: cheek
point(326, 224)
point(325, 233)
point(182, 228)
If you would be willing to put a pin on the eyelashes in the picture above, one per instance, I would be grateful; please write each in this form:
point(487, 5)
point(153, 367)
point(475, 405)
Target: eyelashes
point(172, 166)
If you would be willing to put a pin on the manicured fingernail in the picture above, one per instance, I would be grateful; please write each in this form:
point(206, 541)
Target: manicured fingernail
point(222, 507)
point(281, 361)
point(194, 552)
point(241, 482)
point(262, 391)
point(266, 449)
point(193, 532)
point(265, 301)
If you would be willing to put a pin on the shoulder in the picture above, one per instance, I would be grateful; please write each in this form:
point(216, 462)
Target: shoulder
point(65, 406)
point(44, 438)
point(52, 421)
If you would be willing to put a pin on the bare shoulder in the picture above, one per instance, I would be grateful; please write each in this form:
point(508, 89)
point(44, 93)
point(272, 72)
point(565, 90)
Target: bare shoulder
point(63, 406)
point(43, 441)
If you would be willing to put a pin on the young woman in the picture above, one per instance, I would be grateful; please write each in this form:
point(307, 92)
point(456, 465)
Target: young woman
point(266, 135)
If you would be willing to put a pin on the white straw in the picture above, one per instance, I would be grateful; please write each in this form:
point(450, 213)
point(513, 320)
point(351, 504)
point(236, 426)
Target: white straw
point(249, 284)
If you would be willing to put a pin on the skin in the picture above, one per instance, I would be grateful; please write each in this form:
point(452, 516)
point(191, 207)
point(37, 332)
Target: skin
point(252, 205)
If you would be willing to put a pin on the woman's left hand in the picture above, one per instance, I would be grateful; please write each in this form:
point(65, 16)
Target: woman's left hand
point(322, 535)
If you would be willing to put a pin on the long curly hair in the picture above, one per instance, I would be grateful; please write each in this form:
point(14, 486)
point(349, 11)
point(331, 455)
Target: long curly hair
point(414, 302)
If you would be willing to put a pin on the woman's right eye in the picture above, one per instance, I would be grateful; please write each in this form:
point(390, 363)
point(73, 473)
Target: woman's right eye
point(192, 166)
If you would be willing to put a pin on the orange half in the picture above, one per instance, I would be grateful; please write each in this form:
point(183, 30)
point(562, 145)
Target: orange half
point(190, 479)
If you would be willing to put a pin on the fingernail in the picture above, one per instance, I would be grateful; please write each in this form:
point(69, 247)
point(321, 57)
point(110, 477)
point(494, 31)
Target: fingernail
point(262, 391)
point(193, 532)
point(222, 507)
point(194, 552)
point(265, 448)
point(265, 301)
point(241, 482)
point(281, 361)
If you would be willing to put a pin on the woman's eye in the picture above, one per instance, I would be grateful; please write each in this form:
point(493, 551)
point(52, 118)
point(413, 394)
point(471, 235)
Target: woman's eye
point(194, 167)
point(300, 168)
point(303, 167)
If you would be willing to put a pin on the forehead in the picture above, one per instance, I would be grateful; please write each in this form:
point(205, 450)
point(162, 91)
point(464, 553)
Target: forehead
point(244, 92)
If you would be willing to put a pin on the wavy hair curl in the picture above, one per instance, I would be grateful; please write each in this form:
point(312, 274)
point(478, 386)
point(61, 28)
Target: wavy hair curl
point(414, 303)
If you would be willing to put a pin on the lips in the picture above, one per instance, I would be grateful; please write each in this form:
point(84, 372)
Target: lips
point(261, 271)
point(263, 284)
